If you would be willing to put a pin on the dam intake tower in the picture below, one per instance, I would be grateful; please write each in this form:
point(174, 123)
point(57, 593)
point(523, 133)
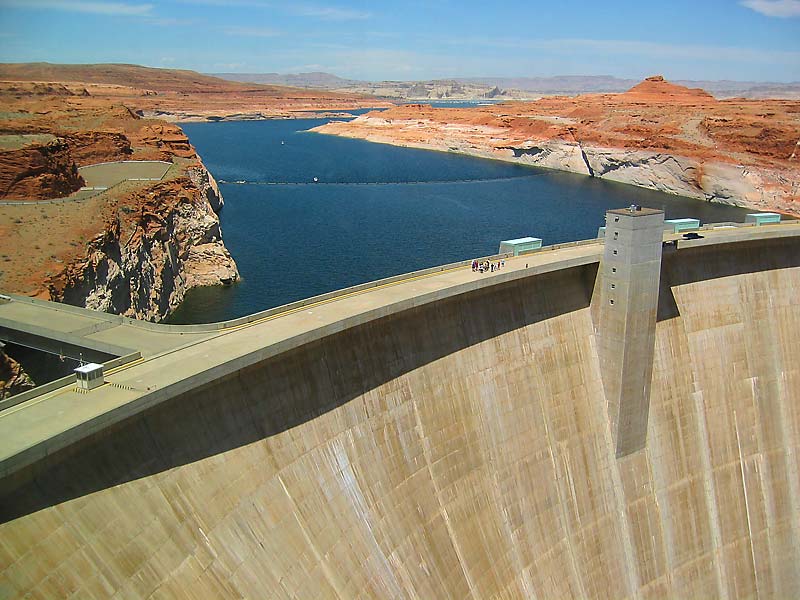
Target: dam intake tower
point(624, 308)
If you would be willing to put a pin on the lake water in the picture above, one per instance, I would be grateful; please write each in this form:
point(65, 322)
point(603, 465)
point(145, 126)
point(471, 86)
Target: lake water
point(379, 210)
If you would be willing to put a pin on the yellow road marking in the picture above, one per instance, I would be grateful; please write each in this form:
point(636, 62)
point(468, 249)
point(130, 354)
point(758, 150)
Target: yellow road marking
point(122, 367)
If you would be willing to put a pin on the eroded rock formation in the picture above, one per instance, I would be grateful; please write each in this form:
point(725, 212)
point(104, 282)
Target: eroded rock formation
point(133, 249)
point(39, 171)
point(142, 264)
point(657, 135)
point(13, 378)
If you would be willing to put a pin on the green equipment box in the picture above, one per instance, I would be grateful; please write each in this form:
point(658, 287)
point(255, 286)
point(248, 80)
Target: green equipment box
point(762, 218)
point(678, 225)
point(520, 245)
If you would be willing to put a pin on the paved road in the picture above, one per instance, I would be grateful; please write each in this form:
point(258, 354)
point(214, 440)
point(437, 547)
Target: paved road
point(181, 359)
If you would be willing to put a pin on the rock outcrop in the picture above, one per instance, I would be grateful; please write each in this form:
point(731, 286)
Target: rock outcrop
point(142, 264)
point(13, 378)
point(657, 135)
point(39, 171)
point(90, 147)
point(134, 249)
point(659, 87)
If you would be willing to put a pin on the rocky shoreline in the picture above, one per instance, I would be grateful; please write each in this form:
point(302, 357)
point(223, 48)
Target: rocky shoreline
point(658, 136)
point(217, 117)
point(753, 187)
point(134, 249)
point(142, 267)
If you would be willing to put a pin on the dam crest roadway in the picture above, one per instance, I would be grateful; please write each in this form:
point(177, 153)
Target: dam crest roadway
point(281, 375)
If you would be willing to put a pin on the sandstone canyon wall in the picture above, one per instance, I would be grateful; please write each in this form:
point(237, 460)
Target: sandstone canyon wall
point(134, 249)
point(143, 266)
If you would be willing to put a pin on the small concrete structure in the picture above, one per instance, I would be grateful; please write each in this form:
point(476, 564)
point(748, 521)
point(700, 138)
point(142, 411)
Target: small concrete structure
point(89, 376)
point(519, 245)
point(679, 225)
point(764, 218)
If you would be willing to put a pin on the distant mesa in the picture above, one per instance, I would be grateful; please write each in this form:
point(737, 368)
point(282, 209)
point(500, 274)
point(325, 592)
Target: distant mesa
point(658, 86)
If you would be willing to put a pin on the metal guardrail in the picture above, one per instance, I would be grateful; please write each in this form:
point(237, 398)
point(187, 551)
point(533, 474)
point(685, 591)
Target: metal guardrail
point(291, 307)
point(65, 200)
point(270, 312)
point(117, 162)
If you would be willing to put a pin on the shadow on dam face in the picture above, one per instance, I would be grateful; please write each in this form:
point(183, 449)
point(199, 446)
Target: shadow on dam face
point(266, 399)
point(458, 449)
point(704, 263)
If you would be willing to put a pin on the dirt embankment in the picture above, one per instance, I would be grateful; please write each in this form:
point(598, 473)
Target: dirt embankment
point(657, 135)
point(39, 171)
point(162, 241)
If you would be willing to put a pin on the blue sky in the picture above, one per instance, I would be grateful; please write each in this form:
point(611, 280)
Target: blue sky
point(414, 39)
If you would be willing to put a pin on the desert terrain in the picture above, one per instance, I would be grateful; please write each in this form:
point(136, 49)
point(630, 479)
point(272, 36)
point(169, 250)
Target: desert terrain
point(57, 119)
point(656, 135)
point(177, 95)
point(48, 228)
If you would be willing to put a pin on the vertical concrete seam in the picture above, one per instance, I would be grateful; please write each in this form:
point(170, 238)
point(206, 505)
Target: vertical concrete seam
point(788, 461)
point(710, 493)
point(442, 511)
point(524, 574)
point(777, 362)
point(746, 502)
point(562, 510)
point(632, 572)
point(659, 487)
point(323, 565)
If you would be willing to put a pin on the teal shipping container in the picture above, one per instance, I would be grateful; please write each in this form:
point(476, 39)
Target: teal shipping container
point(762, 218)
point(678, 225)
point(520, 245)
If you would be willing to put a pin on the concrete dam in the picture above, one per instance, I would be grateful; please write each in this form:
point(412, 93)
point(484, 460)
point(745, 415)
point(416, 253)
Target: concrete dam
point(449, 434)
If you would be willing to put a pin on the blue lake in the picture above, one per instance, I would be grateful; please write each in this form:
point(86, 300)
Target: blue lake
point(379, 210)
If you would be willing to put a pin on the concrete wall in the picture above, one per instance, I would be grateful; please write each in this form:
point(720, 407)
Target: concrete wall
point(460, 449)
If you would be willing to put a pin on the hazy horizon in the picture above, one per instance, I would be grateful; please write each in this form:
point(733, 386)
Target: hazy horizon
point(491, 76)
point(744, 40)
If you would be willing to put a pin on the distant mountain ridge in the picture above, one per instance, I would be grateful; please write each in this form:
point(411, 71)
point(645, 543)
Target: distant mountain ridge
point(313, 79)
point(512, 86)
point(174, 80)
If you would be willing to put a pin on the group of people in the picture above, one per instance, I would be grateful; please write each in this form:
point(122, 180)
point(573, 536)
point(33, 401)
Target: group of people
point(487, 266)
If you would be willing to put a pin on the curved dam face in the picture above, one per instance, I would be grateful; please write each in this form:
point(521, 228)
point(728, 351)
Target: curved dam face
point(458, 449)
